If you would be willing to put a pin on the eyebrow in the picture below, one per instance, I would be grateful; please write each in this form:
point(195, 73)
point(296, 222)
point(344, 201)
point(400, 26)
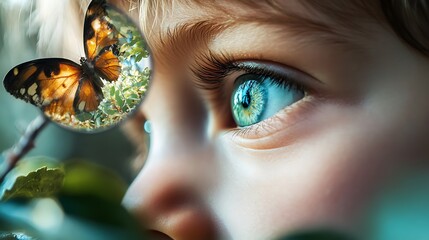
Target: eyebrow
point(189, 36)
point(185, 38)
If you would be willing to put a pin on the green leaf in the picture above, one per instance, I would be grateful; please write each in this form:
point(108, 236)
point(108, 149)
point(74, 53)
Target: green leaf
point(86, 178)
point(130, 101)
point(110, 111)
point(33, 177)
point(119, 99)
point(112, 91)
point(134, 96)
point(83, 116)
point(126, 89)
point(139, 57)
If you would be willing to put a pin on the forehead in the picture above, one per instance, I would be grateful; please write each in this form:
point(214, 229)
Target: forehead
point(333, 15)
point(188, 23)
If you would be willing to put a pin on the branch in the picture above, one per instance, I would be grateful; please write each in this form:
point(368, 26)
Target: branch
point(24, 145)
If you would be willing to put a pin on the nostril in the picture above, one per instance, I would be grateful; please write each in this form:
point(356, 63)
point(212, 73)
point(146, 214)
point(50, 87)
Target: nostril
point(156, 235)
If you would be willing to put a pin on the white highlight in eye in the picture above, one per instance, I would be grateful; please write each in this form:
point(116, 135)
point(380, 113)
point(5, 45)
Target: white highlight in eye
point(32, 90)
point(15, 72)
point(22, 91)
point(81, 106)
point(147, 126)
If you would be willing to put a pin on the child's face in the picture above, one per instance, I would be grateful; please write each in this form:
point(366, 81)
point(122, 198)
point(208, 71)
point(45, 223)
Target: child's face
point(333, 120)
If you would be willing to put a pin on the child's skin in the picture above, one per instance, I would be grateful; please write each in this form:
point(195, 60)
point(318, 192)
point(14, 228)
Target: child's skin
point(318, 162)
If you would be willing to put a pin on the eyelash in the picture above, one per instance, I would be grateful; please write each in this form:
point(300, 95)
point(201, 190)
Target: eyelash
point(211, 72)
point(275, 78)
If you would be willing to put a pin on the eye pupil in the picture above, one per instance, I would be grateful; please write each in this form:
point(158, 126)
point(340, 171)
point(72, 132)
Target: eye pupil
point(246, 99)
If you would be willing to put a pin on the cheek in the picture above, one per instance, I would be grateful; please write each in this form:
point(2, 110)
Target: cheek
point(326, 179)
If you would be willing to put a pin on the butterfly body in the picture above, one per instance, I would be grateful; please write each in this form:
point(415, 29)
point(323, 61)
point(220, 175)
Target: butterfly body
point(89, 71)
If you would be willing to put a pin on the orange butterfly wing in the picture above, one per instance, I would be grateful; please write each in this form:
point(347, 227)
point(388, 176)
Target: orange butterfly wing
point(88, 96)
point(57, 86)
point(101, 40)
point(107, 65)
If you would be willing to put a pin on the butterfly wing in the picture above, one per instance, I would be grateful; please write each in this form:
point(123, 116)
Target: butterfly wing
point(52, 84)
point(88, 96)
point(101, 41)
point(107, 64)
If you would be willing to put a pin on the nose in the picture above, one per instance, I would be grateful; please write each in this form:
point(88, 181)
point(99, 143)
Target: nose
point(170, 194)
point(170, 199)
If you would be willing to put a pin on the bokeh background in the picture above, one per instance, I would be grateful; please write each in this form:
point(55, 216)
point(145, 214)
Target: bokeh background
point(31, 29)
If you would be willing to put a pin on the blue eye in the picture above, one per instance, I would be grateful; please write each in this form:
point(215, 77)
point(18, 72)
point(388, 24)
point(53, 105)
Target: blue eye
point(256, 97)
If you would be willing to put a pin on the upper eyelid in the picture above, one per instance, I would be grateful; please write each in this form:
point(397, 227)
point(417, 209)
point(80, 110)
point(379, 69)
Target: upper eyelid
point(210, 71)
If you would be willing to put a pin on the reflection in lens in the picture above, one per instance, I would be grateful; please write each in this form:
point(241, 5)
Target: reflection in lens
point(106, 87)
point(120, 97)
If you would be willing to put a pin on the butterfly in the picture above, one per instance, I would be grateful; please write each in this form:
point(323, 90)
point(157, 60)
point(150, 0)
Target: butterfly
point(60, 86)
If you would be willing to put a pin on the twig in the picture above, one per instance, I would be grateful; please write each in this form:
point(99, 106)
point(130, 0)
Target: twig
point(24, 145)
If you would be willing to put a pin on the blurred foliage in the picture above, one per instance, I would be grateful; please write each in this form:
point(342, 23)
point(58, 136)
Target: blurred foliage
point(33, 177)
point(88, 206)
point(87, 178)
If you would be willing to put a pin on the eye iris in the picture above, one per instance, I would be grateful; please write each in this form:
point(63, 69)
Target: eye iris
point(248, 102)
